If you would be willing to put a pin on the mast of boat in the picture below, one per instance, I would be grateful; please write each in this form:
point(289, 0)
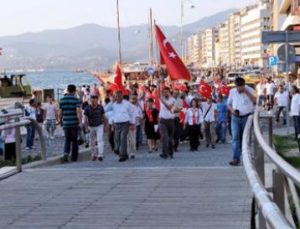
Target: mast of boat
point(119, 34)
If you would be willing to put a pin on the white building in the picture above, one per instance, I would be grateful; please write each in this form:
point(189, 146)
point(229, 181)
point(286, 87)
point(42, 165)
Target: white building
point(194, 49)
point(208, 40)
point(224, 41)
point(254, 20)
point(235, 39)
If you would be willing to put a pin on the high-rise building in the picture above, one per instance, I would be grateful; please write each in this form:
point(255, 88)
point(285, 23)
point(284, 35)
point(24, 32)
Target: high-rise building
point(208, 40)
point(291, 9)
point(224, 43)
point(235, 39)
point(194, 49)
point(254, 20)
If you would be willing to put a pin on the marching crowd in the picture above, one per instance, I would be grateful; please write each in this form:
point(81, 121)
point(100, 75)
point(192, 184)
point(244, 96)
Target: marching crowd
point(165, 113)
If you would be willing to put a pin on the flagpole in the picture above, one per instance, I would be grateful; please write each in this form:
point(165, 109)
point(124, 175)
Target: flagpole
point(181, 29)
point(119, 33)
point(151, 61)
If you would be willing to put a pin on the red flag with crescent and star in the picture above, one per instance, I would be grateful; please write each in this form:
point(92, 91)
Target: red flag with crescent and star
point(176, 68)
point(118, 85)
point(205, 89)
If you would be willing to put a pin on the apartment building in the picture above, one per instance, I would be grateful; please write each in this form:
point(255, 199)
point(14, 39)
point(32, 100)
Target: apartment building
point(194, 49)
point(254, 20)
point(208, 40)
point(235, 39)
point(224, 40)
point(291, 9)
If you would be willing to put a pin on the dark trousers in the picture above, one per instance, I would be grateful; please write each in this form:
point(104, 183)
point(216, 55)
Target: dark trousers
point(166, 127)
point(111, 137)
point(121, 133)
point(296, 120)
point(30, 135)
point(177, 132)
point(71, 138)
point(278, 112)
point(139, 136)
point(194, 132)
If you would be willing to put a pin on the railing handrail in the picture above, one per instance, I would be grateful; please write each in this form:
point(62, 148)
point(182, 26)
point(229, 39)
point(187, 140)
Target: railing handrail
point(17, 124)
point(270, 210)
point(281, 164)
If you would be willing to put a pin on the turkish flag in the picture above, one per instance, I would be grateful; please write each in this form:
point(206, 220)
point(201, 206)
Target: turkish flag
point(205, 89)
point(182, 113)
point(175, 66)
point(118, 77)
point(118, 85)
point(224, 90)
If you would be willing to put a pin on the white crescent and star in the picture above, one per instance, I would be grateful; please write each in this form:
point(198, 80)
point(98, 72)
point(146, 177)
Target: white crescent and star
point(171, 54)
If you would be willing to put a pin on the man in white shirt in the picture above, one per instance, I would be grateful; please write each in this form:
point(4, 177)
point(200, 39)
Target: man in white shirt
point(209, 113)
point(270, 89)
point(166, 126)
point(123, 121)
point(133, 135)
point(50, 117)
point(281, 100)
point(295, 110)
point(261, 92)
point(241, 104)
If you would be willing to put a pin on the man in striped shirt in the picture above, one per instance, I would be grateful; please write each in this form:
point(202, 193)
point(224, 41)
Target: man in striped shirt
point(70, 115)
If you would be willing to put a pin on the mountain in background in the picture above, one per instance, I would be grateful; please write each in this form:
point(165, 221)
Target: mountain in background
point(89, 46)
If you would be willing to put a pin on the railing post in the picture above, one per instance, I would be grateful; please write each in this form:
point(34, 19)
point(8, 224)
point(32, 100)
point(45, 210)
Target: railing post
point(18, 146)
point(271, 131)
point(259, 160)
point(278, 190)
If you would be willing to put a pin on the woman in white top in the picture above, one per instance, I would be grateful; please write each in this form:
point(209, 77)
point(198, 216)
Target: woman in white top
point(295, 109)
point(193, 118)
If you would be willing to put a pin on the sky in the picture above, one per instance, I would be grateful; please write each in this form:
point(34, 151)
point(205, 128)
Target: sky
point(21, 16)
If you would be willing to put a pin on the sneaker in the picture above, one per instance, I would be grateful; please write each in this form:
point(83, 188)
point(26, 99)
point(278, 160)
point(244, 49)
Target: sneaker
point(207, 145)
point(122, 159)
point(213, 146)
point(149, 151)
point(164, 156)
point(100, 158)
point(28, 148)
point(132, 157)
point(94, 158)
point(52, 137)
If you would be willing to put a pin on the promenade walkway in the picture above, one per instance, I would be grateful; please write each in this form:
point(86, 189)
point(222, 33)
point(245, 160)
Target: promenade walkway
point(194, 190)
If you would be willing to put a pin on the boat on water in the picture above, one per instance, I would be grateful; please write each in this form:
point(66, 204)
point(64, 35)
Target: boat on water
point(14, 86)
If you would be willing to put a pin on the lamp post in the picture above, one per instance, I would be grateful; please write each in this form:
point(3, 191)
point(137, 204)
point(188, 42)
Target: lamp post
point(192, 6)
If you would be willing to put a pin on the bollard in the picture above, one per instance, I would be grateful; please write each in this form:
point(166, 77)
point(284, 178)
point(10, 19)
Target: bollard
point(271, 131)
point(18, 146)
point(278, 190)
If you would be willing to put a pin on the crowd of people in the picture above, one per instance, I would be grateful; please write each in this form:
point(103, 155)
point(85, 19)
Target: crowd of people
point(165, 113)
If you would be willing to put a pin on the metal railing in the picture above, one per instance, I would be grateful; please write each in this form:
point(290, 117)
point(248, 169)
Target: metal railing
point(17, 124)
point(271, 203)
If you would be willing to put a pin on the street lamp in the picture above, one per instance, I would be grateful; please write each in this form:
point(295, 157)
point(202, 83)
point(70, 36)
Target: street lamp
point(192, 6)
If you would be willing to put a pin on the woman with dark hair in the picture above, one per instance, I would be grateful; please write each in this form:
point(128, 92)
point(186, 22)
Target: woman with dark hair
point(295, 110)
point(192, 123)
point(151, 125)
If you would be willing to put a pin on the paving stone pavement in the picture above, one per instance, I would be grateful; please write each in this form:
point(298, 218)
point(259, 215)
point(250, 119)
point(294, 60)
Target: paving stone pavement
point(126, 198)
point(193, 190)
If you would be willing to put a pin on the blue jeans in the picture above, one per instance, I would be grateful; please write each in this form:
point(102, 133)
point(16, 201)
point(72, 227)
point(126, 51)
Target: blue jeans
point(30, 135)
point(221, 128)
point(237, 128)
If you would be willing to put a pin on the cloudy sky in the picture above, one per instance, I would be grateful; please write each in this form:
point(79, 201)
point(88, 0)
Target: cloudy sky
point(20, 16)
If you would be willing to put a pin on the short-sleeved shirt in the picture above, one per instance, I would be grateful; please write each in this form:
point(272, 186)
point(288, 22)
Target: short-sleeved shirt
point(222, 111)
point(240, 101)
point(94, 115)
point(69, 104)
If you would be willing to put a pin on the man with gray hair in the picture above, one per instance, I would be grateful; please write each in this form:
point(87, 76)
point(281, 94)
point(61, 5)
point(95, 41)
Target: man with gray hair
point(123, 120)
